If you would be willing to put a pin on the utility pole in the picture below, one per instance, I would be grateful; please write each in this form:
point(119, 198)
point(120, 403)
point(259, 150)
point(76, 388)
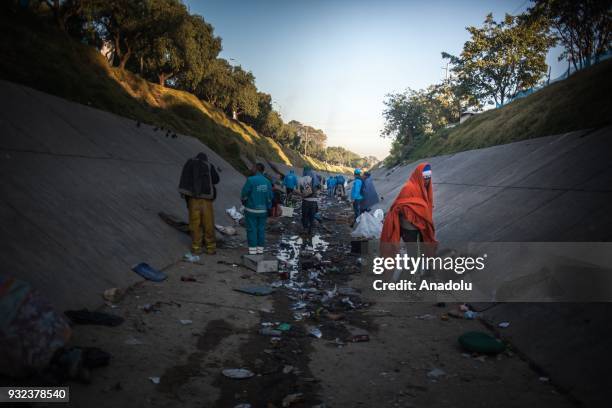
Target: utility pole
point(445, 68)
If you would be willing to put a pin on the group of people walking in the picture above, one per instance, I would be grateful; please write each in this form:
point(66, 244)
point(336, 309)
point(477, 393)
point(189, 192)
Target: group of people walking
point(409, 217)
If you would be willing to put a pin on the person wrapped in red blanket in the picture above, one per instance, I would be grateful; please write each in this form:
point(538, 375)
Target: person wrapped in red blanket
point(410, 217)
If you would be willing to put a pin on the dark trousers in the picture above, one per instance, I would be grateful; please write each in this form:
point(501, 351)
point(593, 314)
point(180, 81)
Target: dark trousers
point(309, 209)
point(357, 208)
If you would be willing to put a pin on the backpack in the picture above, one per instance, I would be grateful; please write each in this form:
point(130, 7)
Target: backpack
point(306, 189)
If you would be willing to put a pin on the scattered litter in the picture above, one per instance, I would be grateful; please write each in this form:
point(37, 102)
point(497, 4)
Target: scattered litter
point(298, 305)
point(84, 316)
point(113, 294)
point(470, 315)
point(291, 398)
point(284, 327)
point(185, 322)
point(188, 278)
point(348, 301)
point(267, 331)
point(243, 405)
point(234, 214)
point(189, 257)
point(287, 369)
point(132, 341)
point(504, 325)
point(436, 373)
point(229, 230)
point(315, 332)
point(479, 342)
point(255, 290)
point(360, 338)
point(318, 256)
point(425, 317)
point(154, 380)
point(148, 272)
point(444, 317)
point(544, 379)
point(238, 373)
point(222, 262)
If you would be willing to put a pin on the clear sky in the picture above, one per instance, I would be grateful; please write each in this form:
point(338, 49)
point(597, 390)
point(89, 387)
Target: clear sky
point(329, 63)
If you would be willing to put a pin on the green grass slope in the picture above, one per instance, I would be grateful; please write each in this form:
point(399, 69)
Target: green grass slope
point(40, 57)
point(582, 101)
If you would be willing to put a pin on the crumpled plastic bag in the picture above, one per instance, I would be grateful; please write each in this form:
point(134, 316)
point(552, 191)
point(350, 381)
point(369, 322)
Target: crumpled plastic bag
point(379, 214)
point(367, 226)
point(234, 213)
point(226, 230)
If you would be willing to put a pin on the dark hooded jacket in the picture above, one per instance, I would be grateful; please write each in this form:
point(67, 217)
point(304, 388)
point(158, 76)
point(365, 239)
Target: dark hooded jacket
point(198, 178)
point(368, 191)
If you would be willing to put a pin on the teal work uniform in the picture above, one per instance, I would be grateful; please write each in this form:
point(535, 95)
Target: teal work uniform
point(257, 198)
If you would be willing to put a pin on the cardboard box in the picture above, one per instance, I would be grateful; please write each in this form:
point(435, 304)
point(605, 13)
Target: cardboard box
point(260, 263)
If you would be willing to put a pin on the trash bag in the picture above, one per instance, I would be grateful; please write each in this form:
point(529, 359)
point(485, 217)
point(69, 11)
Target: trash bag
point(379, 215)
point(368, 226)
point(234, 214)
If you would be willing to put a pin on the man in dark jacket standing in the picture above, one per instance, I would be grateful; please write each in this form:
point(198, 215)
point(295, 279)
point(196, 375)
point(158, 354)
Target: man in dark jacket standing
point(197, 186)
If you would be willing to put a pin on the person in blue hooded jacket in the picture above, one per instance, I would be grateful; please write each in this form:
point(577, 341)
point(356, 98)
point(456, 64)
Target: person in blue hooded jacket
point(370, 196)
point(257, 199)
point(356, 195)
point(340, 185)
point(331, 186)
point(290, 182)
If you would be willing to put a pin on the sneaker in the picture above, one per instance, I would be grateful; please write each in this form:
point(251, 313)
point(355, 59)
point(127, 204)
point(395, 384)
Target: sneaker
point(260, 250)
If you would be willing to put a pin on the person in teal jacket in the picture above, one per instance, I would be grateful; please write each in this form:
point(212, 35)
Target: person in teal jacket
point(257, 199)
point(356, 195)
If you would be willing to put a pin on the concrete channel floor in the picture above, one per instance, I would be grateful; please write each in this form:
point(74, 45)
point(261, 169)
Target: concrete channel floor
point(391, 370)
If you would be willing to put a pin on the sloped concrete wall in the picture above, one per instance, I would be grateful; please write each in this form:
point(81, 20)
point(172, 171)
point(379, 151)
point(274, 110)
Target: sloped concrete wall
point(550, 189)
point(80, 191)
point(556, 188)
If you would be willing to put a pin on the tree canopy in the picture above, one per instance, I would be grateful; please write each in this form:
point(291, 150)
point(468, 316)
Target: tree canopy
point(502, 58)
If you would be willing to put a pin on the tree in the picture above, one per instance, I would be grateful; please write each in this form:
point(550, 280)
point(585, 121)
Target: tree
point(583, 27)
point(405, 116)
point(243, 93)
point(410, 116)
point(63, 10)
point(217, 83)
point(502, 58)
point(311, 141)
point(121, 22)
point(177, 45)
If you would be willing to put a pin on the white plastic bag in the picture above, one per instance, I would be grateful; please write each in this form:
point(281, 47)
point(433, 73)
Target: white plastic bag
point(379, 214)
point(232, 212)
point(368, 226)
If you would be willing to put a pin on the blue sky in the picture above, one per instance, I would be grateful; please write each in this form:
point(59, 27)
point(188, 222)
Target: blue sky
point(329, 63)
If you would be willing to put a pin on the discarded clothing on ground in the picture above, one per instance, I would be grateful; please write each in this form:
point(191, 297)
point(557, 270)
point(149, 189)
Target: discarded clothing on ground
point(148, 272)
point(85, 316)
point(31, 331)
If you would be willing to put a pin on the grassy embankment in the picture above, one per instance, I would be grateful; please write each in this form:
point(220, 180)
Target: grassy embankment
point(43, 58)
point(580, 102)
